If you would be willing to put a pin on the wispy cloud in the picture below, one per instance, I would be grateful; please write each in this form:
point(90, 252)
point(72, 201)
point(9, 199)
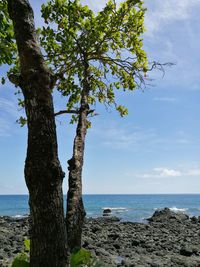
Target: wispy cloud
point(166, 172)
point(4, 128)
point(127, 137)
point(166, 12)
point(159, 172)
point(8, 114)
point(9, 107)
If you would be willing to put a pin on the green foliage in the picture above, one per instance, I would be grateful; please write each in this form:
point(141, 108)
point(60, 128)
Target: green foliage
point(122, 110)
point(105, 48)
point(22, 121)
point(7, 43)
point(21, 260)
point(8, 48)
point(83, 257)
point(79, 258)
point(27, 244)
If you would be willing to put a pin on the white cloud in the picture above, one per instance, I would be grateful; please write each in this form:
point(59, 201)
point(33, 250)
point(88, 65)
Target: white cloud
point(164, 12)
point(159, 12)
point(165, 172)
point(160, 173)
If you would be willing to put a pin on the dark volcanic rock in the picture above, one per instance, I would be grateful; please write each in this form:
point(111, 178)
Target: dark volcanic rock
point(166, 243)
point(107, 212)
point(13, 232)
point(166, 214)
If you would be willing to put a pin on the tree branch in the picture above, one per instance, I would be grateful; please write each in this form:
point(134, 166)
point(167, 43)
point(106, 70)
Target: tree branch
point(61, 112)
point(66, 112)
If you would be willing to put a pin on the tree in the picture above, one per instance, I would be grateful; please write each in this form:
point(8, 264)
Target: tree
point(93, 55)
point(7, 44)
point(43, 173)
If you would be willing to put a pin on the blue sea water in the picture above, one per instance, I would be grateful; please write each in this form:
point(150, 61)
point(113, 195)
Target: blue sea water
point(127, 207)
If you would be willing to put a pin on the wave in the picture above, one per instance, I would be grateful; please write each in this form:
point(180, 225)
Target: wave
point(18, 216)
point(175, 209)
point(116, 209)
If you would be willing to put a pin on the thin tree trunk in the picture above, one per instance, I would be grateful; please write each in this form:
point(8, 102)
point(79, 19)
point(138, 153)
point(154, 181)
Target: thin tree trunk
point(75, 208)
point(43, 172)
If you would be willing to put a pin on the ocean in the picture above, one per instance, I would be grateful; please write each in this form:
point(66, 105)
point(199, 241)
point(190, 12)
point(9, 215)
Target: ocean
point(128, 207)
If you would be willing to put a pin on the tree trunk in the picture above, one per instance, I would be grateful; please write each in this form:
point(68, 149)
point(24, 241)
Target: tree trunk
point(75, 208)
point(43, 172)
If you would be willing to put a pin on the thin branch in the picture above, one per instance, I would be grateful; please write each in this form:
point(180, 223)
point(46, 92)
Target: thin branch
point(160, 66)
point(66, 112)
point(61, 112)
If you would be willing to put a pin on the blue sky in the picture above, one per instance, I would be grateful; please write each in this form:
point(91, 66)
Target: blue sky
point(155, 149)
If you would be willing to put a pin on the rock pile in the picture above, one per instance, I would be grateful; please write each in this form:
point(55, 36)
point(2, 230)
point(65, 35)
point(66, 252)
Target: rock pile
point(168, 215)
point(169, 239)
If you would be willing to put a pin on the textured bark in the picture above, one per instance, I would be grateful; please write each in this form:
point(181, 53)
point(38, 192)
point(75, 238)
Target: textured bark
point(75, 208)
point(43, 172)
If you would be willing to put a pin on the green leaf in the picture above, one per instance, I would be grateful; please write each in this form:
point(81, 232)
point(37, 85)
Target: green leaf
point(27, 244)
point(122, 110)
point(80, 258)
point(22, 121)
point(21, 260)
point(3, 80)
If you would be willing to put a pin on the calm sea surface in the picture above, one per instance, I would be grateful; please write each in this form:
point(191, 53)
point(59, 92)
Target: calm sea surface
point(127, 207)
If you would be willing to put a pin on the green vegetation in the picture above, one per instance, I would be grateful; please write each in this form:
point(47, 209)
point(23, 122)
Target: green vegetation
point(22, 259)
point(83, 257)
point(7, 42)
point(109, 42)
point(79, 258)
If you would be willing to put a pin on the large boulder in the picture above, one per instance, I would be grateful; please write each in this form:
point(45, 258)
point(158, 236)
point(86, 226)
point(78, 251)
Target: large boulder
point(166, 214)
point(107, 212)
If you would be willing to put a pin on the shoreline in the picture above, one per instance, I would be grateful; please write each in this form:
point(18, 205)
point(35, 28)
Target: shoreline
point(168, 239)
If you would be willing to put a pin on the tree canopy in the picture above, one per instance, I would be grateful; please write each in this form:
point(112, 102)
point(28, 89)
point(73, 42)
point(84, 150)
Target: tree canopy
point(109, 41)
point(7, 42)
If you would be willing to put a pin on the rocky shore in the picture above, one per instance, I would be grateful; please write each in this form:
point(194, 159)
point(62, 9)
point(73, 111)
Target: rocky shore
point(168, 239)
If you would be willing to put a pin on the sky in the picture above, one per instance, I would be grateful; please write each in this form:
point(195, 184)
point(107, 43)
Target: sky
point(153, 150)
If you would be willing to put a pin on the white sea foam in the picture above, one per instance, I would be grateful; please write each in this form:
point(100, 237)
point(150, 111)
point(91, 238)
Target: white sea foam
point(175, 209)
point(116, 209)
point(20, 216)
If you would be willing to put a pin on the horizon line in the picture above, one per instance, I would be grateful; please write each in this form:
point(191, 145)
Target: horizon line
point(114, 194)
